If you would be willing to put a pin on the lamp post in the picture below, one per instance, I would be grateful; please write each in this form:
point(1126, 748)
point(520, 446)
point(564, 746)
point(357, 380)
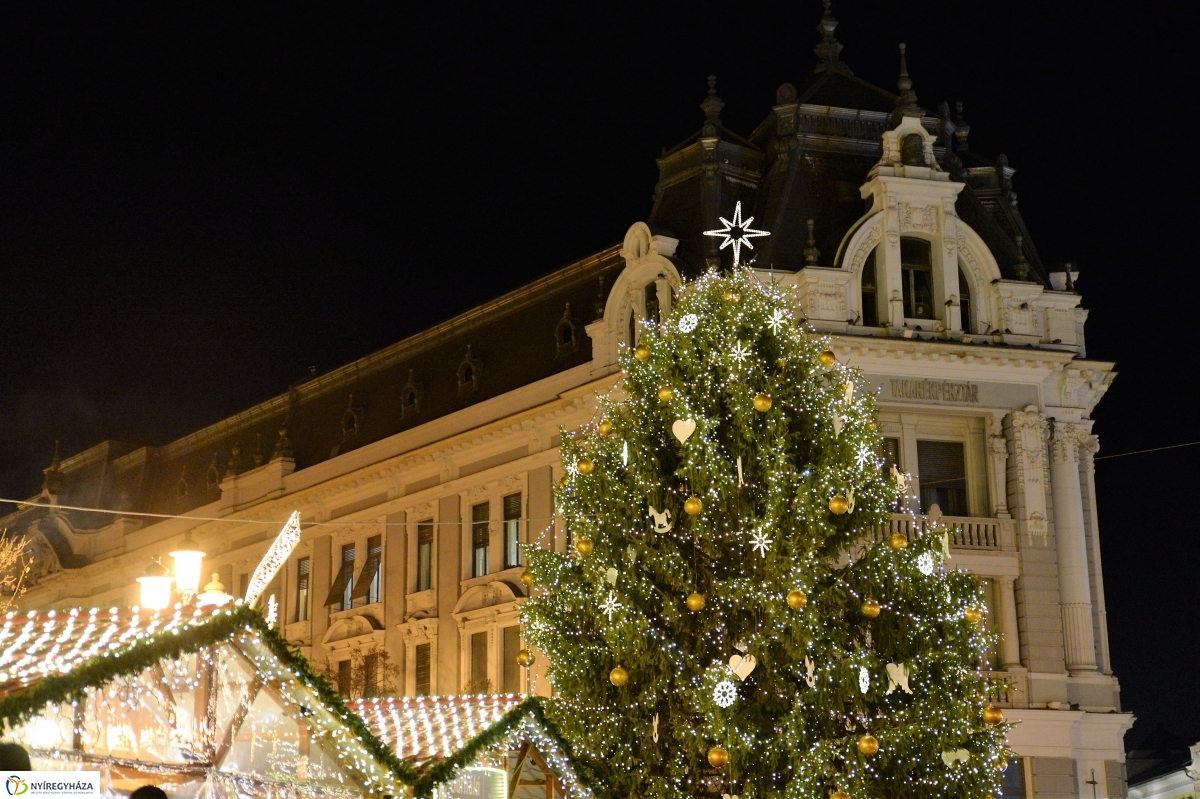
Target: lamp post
point(214, 594)
point(156, 586)
point(188, 559)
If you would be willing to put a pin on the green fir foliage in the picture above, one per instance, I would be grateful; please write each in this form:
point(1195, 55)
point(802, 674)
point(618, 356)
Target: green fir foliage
point(788, 733)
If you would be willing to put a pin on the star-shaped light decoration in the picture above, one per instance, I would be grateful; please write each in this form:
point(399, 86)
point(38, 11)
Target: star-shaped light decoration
point(863, 457)
point(736, 233)
point(759, 541)
point(739, 352)
point(776, 320)
point(609, 606)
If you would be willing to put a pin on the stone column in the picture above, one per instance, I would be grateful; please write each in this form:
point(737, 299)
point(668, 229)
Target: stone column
point(1070, 535)
point(997, 465)
point(1006, 621)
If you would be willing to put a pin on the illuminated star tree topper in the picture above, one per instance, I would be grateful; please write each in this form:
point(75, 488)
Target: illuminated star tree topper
point(736, 233)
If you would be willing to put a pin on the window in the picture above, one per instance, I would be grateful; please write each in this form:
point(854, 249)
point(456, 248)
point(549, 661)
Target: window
point(243, 584)
point(1012, 784)
point(943, 477)
point(370, 581)
point(421, 669)
point(870, 305)
point(303, 569)
point(889, 452)
point(511, 678)
point(916, 270)
point(425, 555)
point(652, 310)
point(479, 669)
point(512, 531)
point(345, 677)
point(340, 593)
point(371, 674)
point(480, 535)
point(964, 302)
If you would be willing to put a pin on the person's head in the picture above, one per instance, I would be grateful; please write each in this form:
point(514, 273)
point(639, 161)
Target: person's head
point(14, 758)
point(148, 792)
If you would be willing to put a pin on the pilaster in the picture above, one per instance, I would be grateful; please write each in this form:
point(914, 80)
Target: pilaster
point(997, 461)
point(1071, 540)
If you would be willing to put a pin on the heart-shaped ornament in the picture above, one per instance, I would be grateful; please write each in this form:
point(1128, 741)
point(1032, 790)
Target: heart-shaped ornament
point(611, 576)
point(683, 429)
point(742, 666)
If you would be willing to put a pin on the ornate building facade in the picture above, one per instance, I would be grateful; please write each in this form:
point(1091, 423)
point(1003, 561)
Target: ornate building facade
point(418, 470)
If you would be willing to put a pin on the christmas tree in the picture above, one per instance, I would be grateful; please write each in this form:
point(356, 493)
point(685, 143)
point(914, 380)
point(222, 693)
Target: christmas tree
point(730, 617)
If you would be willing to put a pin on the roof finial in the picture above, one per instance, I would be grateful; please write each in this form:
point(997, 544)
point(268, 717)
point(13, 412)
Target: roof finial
point(961, 128)
point(829, 50)
point(712, 104)
point(811, 253)
point(1021, 268)
point(906, 103)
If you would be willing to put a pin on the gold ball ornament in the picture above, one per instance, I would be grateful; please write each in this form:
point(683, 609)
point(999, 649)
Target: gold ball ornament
point(762, 403)
point(838, 504)
point(992, 715)
point(717, 756)
point(731, 296)
point(897, 540)
point(584, 546)
point(692, 505)
point(695, 602)
point(618, 676)
point(527, 579)
point(526, 658)
point(796, 599)
point(871, 609)
point(585, 466)
point(642, 352)
point(826, 358)
point(604, 428)
point(868, 744)
point(666, 394)
point(839, 795)
point(973, 615)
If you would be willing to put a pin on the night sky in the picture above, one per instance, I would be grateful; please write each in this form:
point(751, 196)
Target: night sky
point(198, 203)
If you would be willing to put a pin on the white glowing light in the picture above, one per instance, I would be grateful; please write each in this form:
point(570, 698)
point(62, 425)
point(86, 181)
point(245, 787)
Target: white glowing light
point(688, 323)
point(625, 454)
point(925, 563)
point(188, 561)
point(736, 233)
point(276, 556)
point(760, 542)
point(863, 456)
point(725, 693)
point(776, 321)
point(156, 587)
point(609, 606)
point(864, 679)
point(739, 353)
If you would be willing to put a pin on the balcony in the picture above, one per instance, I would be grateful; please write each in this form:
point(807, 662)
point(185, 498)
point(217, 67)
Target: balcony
point(966, 532)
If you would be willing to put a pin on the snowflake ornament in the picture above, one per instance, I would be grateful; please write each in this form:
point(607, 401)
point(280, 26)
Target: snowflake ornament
point(864, 679)
point(776, 321)
point(736, 234)
point(760, 542)
point(925, 564)
point(609, 606)
point(738, 353)
point(725, 694)
point(863, 456)
point(688, 323)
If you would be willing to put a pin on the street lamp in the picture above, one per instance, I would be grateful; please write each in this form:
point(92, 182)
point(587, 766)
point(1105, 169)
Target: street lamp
point(156, 586)
point(214, 594)
point(188, 559)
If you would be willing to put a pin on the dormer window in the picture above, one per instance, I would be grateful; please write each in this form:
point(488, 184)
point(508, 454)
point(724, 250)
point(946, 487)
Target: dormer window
point(566, 334)
point(870, 293)
point(964, 302)
point(410, 398)
point(468, 373)
point(916, 265)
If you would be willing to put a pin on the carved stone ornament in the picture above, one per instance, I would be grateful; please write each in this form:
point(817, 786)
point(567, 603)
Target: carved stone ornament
point(866, 246)
point(920, 218)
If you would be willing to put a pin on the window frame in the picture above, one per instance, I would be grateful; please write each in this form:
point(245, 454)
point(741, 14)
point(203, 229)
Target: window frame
point(512, 529)
point(908, 271)
point(427, 564)
point(303, 595)
point(481, 530)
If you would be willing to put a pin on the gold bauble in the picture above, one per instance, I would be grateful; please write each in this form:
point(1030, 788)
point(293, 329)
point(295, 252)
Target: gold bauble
point(526, 658)
point(604, 428)
point(618, 676)
point(897, 540)
point(762, 403)
point(796, 599)
point(871, 609)
point(717, 756)
point(973, 615)
point(692, 505)
point(870, 425)
point(731, 296)
point(838, 504)
point(666, 394)
point(839, 795)
point(642, 352)
point(527, 579)
point(584, 546)
point(695, 602)
point(826, 358)
point(585, 466)
point(868, 744)
point(992, 715)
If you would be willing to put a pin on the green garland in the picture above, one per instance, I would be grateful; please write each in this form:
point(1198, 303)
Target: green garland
point(20, 705)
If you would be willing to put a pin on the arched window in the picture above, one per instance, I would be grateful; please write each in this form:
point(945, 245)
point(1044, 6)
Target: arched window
point(916, 269)
point(964, 302)
point(870, 302)
point(632, 340)
point(651, 293)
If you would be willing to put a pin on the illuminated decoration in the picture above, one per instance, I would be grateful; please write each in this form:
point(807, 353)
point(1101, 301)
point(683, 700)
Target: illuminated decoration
point(189, 559)
point(688, 322)
point(725, 694)
point(273, 561)
point(925, 564)
point(272, 614)
point(610, 605)
point(156, 586)
point(762, 533)
point(736, 234)
point(214, 594)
